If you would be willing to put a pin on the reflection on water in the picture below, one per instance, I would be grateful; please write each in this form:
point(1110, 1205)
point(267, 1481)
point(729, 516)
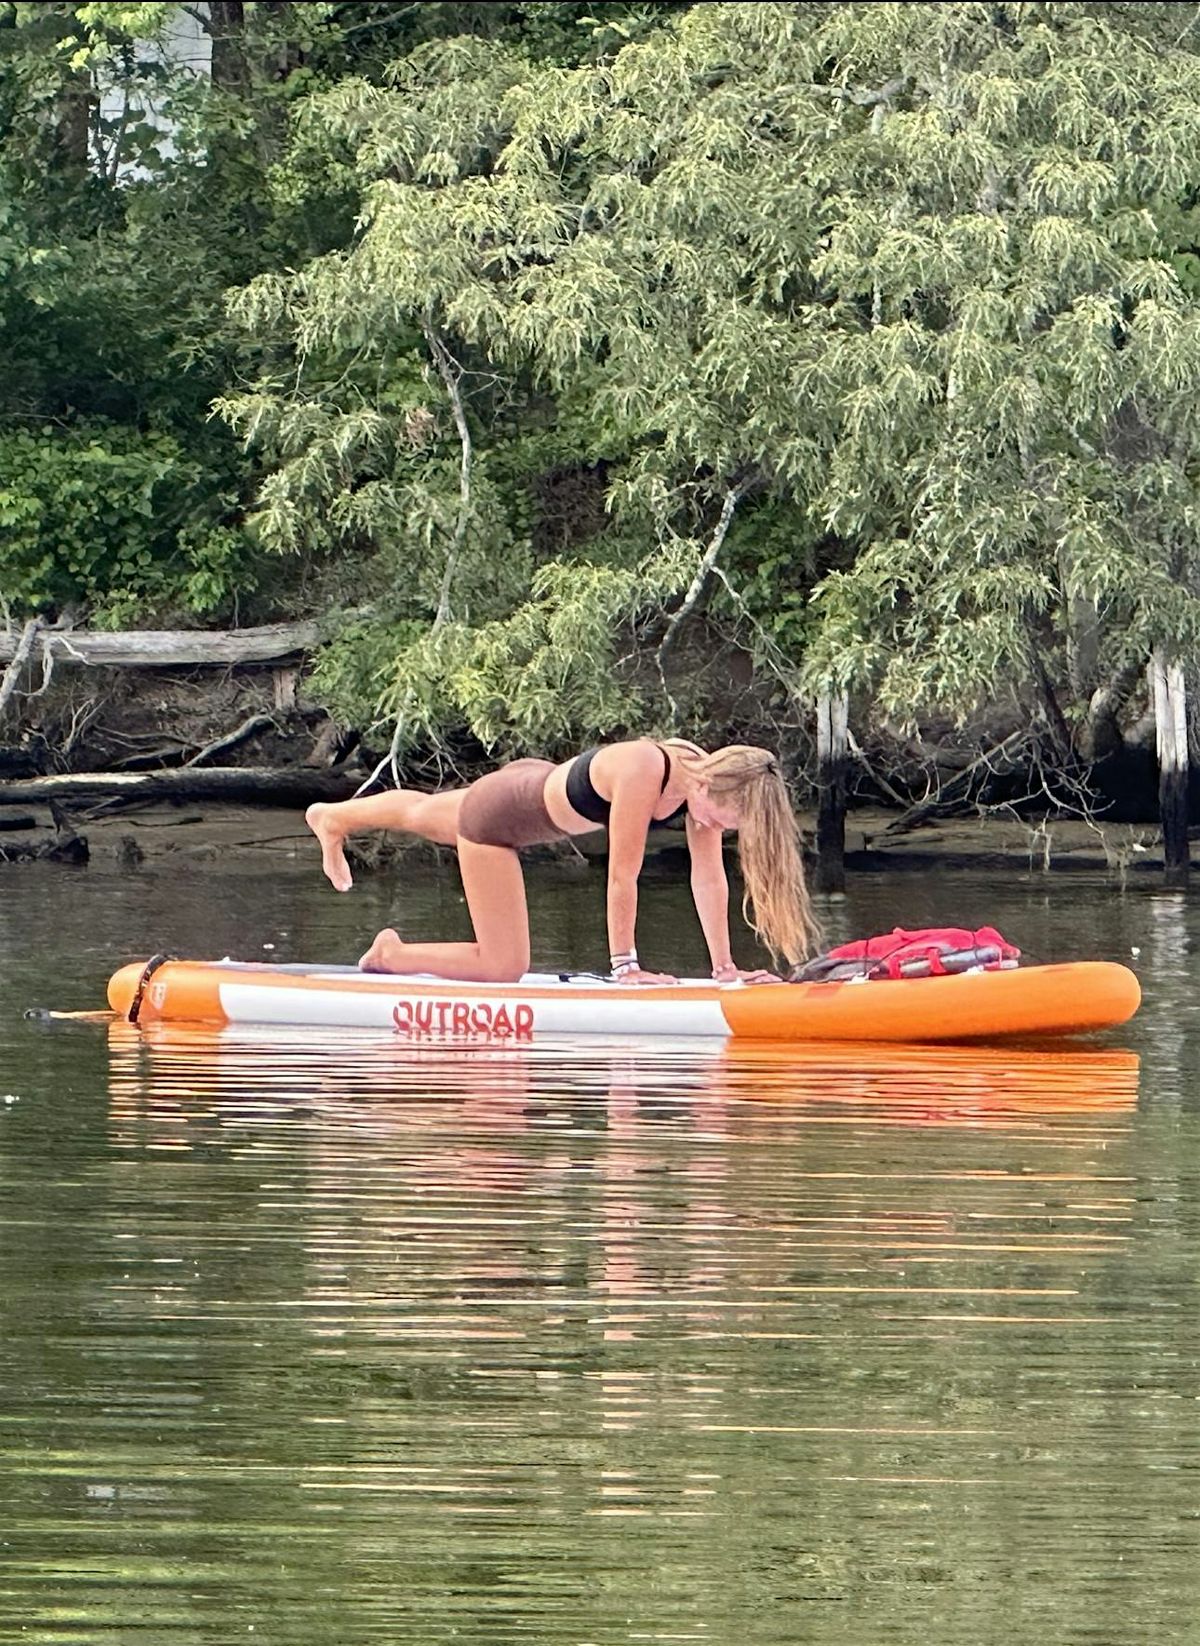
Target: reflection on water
point(345, 1342)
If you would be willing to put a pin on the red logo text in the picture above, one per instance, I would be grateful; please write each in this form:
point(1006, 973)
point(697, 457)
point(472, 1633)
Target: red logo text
point(475, 1019)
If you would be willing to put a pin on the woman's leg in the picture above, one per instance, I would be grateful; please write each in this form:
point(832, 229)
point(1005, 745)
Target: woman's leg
point(407, 811)
point(495, 888)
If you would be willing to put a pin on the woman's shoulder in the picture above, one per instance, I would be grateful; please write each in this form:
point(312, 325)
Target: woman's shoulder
point(630, 755)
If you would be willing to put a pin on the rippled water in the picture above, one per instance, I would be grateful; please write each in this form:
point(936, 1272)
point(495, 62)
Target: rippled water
point(336, 1342)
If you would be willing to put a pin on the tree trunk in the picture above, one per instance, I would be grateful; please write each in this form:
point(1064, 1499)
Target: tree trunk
point(16, 664)
point(833, 715)
point(227, 26)
point(1170, 717)
point(287, 56)
point(1084, 638)
point(72, 127)
point(1100, 734)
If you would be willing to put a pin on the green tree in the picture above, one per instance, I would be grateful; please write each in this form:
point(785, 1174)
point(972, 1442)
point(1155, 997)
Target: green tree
point(133, 191)
point(900, 281)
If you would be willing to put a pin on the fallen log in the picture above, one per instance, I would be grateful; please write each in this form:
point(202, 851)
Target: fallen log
point(261, 786)
point(159, 648)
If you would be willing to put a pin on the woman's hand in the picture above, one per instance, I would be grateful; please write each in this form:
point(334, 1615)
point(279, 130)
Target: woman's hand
point(729, 973)
point(636, 975)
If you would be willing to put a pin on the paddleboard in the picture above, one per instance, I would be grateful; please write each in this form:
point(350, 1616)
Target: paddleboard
point(1077, 997)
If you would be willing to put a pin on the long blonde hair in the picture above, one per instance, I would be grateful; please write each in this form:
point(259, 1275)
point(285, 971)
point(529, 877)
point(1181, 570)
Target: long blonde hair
point(776, 902)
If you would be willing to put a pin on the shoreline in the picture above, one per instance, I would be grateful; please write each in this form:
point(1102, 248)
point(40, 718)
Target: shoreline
point(239, 836)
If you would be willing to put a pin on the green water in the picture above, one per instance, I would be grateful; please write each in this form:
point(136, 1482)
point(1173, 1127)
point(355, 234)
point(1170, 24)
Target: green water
point(343, 1342)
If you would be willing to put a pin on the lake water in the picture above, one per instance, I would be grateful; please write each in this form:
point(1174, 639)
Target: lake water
point(343, 1342)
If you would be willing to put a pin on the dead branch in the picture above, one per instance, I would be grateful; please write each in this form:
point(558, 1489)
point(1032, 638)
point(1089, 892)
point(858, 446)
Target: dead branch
point(220, 745)
point(915, 815)
point(860, 755)
point(82, 716)
point(20, 657)
point(864, 97)
point(732, 498)
point(451, 374)
point(163, 648)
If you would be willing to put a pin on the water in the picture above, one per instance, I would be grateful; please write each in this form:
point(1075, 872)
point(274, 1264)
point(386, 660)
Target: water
point(346, 1343)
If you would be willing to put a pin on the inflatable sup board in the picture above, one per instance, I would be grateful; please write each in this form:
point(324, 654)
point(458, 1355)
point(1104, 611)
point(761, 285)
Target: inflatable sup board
point(1075, 998)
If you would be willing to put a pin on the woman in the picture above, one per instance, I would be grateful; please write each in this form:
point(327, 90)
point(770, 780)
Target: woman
point(625, 787)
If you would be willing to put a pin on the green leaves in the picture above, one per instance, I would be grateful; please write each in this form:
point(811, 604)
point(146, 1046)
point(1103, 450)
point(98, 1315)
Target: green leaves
point(82, 514)
point(918, 278)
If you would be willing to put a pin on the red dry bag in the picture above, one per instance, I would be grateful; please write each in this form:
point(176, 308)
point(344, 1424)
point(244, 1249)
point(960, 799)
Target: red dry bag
point(935, 951)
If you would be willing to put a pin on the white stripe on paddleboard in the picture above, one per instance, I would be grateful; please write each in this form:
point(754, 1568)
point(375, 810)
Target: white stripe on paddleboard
point(427, 1014)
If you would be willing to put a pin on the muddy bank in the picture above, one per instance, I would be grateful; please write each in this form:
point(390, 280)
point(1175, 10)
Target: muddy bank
point(258, 839)
point(150, 766)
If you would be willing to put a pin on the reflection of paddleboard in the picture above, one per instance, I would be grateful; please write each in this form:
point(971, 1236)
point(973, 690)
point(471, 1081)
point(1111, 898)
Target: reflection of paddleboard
point(985, 1005)
point(909, 1084)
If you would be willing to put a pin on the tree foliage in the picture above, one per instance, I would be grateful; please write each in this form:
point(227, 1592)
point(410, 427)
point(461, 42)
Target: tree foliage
point(865, 335)
point(910, 280)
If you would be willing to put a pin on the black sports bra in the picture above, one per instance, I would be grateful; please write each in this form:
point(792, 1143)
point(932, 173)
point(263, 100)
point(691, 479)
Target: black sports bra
point(581, 791)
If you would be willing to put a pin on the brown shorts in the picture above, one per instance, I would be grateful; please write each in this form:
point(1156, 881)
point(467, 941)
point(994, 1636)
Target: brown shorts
point(508, 807)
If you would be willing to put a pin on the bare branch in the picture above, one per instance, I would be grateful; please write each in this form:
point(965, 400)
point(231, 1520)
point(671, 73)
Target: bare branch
point(391, 760)
point(864, 98)
point(378, 22)
point(925, 808)
point(732, 498)
point(248, 727)
point(451, 375)
point(20, 657)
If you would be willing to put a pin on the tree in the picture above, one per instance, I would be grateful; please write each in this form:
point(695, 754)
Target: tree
point(899, 277)
point(134, 188)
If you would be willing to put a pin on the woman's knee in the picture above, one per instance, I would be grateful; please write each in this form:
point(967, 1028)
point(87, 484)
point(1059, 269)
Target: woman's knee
point(436, 816)
point(502, 960)
point(503, 968)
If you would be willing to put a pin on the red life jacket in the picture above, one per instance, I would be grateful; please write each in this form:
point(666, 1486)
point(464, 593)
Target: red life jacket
point(935, 951)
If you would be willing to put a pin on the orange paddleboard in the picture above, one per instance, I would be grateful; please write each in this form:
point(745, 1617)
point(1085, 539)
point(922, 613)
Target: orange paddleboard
point(1075, 998)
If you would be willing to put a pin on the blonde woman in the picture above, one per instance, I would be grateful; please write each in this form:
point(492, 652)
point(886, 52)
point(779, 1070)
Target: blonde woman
point(624, 787)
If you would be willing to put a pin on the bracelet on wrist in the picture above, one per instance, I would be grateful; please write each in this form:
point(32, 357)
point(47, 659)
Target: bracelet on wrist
point(621, 963)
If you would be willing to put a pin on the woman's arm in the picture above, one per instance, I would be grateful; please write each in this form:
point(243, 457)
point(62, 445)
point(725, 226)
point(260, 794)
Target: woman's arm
point(634, 773)
point(710, 891)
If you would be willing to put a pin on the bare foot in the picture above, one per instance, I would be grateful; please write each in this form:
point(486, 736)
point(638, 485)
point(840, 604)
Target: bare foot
point(333, 858)
point(386, 954)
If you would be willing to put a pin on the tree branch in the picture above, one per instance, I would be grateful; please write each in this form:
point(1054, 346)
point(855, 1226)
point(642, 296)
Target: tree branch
point(378, 22)
point(253, 723)
point(391, 760)
point(961, 780)
point(451, 375)
point(864, 99)
point(732, 498)
point(20, 657)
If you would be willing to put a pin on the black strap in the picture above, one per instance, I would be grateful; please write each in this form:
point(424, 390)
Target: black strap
point(148, 971)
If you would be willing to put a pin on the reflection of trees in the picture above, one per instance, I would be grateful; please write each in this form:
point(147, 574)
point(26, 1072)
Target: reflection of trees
point(651, 1338)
